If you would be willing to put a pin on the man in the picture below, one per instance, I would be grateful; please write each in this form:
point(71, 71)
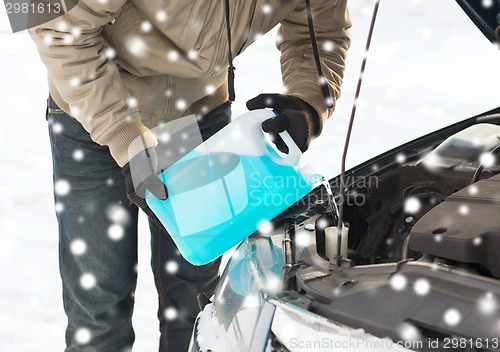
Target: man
point(117, 69)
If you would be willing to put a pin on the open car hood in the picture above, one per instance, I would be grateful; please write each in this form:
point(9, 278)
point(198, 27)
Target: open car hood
point(485, 15)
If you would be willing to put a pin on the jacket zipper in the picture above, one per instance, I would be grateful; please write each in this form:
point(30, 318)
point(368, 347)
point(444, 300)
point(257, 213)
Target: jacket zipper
point(169, 96)
point(219, 60)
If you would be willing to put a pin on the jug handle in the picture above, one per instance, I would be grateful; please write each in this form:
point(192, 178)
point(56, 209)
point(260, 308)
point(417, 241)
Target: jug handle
point(294, 152)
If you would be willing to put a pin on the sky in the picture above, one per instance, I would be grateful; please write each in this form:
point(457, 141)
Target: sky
point(428, 67)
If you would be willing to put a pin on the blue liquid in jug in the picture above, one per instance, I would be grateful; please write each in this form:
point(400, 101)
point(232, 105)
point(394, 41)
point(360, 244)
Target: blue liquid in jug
point(218, 199)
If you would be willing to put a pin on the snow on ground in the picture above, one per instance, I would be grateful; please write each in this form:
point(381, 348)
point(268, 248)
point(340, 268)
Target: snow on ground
point(429, 67)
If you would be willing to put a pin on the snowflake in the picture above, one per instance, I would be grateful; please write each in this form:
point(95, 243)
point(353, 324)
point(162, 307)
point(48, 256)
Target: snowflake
point(463, 209)
point(132, 102)
point(74, 82)
point(251, 301)
point(62, 26)
point(487, 159)
point(164, 137)
point(328, 45)
point(76, 32)
point(237, 255)
point(192, 54)
point(273, 284)
point(110, 182)
point(236, 133)
point(59, 207)
point(87, 281)
point(400, 158)
point(110, 53)
point(47, 39)
point(409, 332)
point(57, 128)
point(161, 16)
point(412, 205)
point(473, 190)
point(322, 224)
point(62, 188)
point(173, 55)
point(180, 104)
point(146, 26)
point(477, 241)
point(452, 317)
point(422, 287)
point(398, 282)
point(487, 3)
point(209, 89)
point(265, 227)
point(68, 38)
point(78, 247)
point(74, 111)
point(279, 39)
point(172, 267)
point(118, 214)
point(137, 47)
point(170, 313)
point(302, 239)
point(266, 9)
point(83, 336)
point(116, 232)
point(367, 11)
point(78, 155)
point(487, 304)
point(329, 101)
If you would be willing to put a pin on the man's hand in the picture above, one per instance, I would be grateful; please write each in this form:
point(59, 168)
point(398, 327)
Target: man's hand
point(295, 116)
point(140, 173)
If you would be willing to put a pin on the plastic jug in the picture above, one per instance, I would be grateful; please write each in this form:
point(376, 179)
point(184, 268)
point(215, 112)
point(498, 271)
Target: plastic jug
point(220, 192)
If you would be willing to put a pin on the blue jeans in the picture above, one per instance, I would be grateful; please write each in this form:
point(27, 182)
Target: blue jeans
point(98, 246)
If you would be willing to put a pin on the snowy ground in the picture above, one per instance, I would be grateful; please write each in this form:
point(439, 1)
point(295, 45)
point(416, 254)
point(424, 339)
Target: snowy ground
point(429, 67)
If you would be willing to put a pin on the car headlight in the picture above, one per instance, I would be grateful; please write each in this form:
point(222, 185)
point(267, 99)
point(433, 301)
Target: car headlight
point(254, 272)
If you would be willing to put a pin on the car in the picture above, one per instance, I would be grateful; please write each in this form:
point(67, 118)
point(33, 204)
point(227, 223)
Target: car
point(421, 270)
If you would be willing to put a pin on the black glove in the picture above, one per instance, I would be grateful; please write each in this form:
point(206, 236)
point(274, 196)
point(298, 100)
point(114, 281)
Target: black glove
point(140, 173)
point(295, 115)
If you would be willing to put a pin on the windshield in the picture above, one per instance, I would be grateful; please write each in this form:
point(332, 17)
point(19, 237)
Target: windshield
point(429, 66)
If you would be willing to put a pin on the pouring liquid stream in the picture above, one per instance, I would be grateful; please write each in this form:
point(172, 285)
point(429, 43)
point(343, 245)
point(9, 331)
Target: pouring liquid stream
point(332, 204)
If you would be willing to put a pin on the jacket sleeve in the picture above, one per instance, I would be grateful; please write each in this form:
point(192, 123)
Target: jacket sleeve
point(73, 51)
point(300, 77)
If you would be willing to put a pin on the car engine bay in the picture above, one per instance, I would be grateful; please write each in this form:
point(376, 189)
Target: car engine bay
point(423, 260)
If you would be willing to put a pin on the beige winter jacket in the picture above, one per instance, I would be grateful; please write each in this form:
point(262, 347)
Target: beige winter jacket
point(121, 67)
